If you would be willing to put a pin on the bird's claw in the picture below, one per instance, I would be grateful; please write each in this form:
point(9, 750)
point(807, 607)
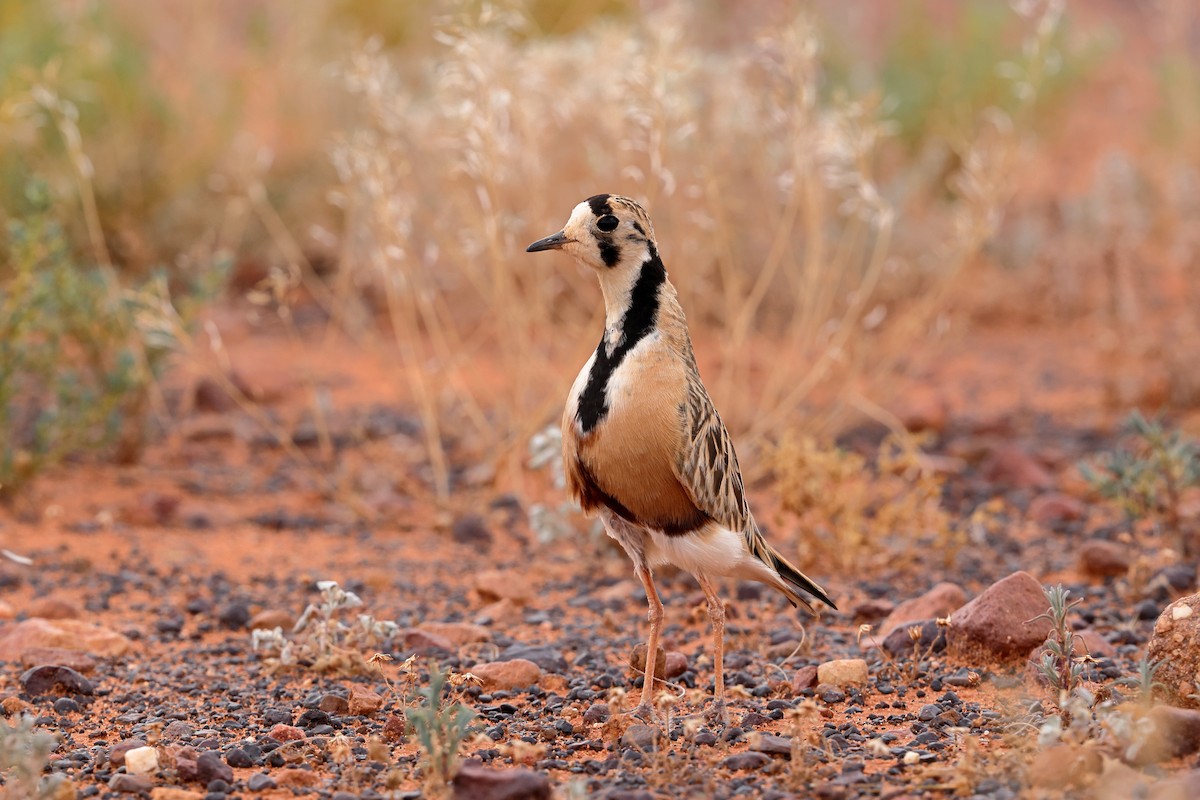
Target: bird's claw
point(646, 713)
point(717, 714)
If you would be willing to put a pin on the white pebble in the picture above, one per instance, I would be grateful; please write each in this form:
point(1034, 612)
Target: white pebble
point(1181, 611)
point(141, 761)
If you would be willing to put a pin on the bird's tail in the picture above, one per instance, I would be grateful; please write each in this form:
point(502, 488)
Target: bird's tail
point(792, 579)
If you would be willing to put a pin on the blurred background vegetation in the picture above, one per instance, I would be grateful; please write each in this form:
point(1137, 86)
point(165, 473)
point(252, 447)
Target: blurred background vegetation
point(847, 181)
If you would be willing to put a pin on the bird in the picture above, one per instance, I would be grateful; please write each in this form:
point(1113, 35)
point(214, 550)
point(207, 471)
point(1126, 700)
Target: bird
point(644, 448)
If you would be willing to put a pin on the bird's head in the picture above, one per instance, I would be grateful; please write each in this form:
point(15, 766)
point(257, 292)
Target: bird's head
point(607, 232)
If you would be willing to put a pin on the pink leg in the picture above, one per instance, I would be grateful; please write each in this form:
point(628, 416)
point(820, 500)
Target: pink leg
point(716, 615)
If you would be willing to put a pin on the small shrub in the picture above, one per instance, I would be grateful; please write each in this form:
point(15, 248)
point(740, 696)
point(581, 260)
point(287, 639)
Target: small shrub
point(322, 640)
point(1059, 664)
point(441, 729)
point(24, 751)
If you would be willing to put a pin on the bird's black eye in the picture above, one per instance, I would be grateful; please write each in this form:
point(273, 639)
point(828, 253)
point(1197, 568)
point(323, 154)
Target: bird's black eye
point(607, 223)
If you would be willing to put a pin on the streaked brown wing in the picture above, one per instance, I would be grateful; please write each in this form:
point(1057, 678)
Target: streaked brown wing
point(707, 465)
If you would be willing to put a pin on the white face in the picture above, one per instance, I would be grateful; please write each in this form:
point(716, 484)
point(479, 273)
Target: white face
point(608, 236)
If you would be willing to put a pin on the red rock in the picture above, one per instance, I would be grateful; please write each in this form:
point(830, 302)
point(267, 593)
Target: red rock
point(494, 585)
point(80, 662)
point(52, 608)
point(116, 754)
point(395, 727)
point(1175, 645)
point(1055, 507)
point(425, 642)
point(872, 610)
point(286, 733)
point(843, 672)
point(805, 678)
point(363, 701)
point(333, 704)
point(940, 601)
point(515, 674)
point(1002, 621)
point(65, 634)
point(637, 662)
point(1064, 766)
point(1099, 558)
point(477, 782)
point(1012, 466)
point(457, 633)
point(675, 664)
point(1174, 733)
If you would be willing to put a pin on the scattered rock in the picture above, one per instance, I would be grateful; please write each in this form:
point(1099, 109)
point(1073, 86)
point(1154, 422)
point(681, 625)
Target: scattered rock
point(642, 737)
point(471, 529)
point(1099, 558)
point(940, 601)
point(745, 761)
point(174, 793)
point(1011, 466)
point(270, 618)
point(1002, 621)
point(286, 733)
point(771, 744)
point(239, 758)
point(930, 637)
point(234, 615)
point(1175, 645)
point(872, 610)
point(65, 634)
point(53, 679)
point(260, 781)
point(843, 672)
point(637, 662)
point(1055, 507)
point(805, 678)
point(363, 701)
point(477, 782)
point(333, 704)
point(457, 633)
point(129, 784)
point(597, 712)
point(142, 760)
point(548, 658)
point(116, 755)
point(494, 585)
point(1064, 766)
point(1174, 733)
point(36, 656)
point(515, 674)
point(395, 727)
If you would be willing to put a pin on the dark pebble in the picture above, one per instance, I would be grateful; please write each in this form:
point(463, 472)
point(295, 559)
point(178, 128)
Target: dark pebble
point(49, 679)
point(235, 615)
point(748, 760)
point(833, 695)
point(1147, 610)
point(210, 767)
point(259, 781)
point(65, 705)
point(237, 757)
point(219, 786)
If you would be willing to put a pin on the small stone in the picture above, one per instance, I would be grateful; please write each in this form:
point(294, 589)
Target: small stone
point(210, 767)
point(674, 665)
point(637, 662)
point(940, 601)
point(1054, 507)
point(141, 760)
point(260, 781)
point(235, 615)
point(50, 679)
point(296, 778)
point(53, 608)
point(36, 656)
point(286, 733)
point(518, 673)
point(805, 678)
point(1099, 558)
point(12, 705)
point(426, 643)
point(363, 701)
point(771, 744)
point(1175, 645)
point(116, 754)
point(843, 672)
point(495, 585)
point(1004, 621)
point(457, 633)
point(178, 729)
point(334, 704)
point(173, 793)
point(1011, 466)
point(65, 705)
point(930, 637)
point(1173, 733)
point(238, 758)
point(830, 694)
point(130, 784)
point(477, 782)
point(548, 658)
point(1064, 766)
point(395, 727)
point(745, 761)
point(645, 738)
point(471, 529)
point(597, 712)
point(271, 618)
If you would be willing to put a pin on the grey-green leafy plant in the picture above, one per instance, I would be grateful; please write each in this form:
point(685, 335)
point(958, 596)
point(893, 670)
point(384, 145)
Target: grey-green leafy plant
point(1148, 480)
point(76, 368)
point(1060, 665)
point(1144, 681)
point(24, 751)
point(441, 729)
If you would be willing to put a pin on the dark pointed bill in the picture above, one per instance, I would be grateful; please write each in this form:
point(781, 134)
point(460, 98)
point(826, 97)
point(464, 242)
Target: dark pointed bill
point(549, 243)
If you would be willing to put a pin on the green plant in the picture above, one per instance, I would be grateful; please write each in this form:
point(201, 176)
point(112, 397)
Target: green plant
point(441, 729)
point(1144, 681)
point(1147, 481)
point(24, 751)
point(321, 640)
point(1062, 668)
point(77, 368)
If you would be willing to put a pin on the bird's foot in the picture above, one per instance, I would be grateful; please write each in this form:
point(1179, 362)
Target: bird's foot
point(717, 715)
point(646, 713)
